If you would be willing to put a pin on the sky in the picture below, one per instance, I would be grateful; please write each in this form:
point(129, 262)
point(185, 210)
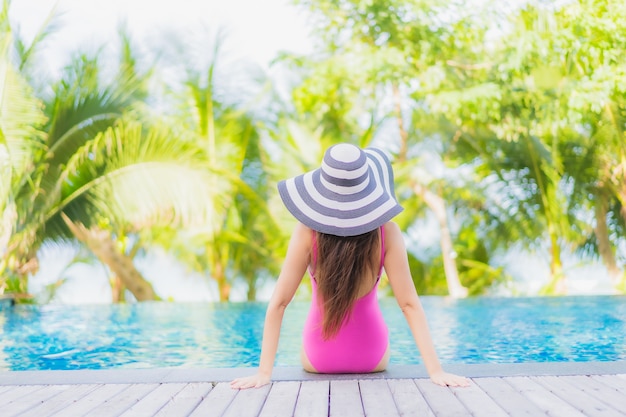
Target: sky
point(255, 31)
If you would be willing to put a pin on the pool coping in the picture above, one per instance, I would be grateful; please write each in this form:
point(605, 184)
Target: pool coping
point(177, 375)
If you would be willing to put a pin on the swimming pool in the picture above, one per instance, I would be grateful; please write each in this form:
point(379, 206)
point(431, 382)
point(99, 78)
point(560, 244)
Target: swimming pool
point(190, 335)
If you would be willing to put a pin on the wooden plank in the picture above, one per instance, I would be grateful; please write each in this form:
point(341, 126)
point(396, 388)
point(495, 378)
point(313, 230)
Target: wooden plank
point(34, 399)
point(441, 400)
point(377, 399)
point(598, 395)
point(507, 397)
point(544, 399)
point(605, 393)
point(345, 399)
point(313, 399)
point(248, 402)
point(409, 400)
point(281, 401)
point(123, 400)
point(186, 400)
point(216, 402)
point(155, 400)
point(582, 401)
point(92, 400)
point(477, 401)
point(60, 401)
point(613, 381)
point(19, 391)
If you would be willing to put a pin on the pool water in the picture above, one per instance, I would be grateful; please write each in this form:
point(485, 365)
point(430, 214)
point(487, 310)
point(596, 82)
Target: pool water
point(153, 335)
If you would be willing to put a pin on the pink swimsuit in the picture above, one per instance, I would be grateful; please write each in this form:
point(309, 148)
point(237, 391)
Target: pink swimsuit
point(362, 340)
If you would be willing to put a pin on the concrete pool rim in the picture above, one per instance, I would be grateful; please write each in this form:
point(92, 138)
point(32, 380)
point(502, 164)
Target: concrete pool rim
point(394, 371)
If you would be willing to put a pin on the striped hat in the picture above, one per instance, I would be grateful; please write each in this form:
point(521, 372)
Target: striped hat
point(350, 194)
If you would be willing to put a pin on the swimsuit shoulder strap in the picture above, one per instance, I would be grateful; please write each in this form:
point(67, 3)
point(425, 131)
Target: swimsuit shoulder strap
point(382, 250)
point(313, 253)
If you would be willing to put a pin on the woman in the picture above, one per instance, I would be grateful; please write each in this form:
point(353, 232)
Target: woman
point(345, 238)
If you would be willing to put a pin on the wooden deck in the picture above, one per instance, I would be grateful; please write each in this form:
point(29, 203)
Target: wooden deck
point(568, 396)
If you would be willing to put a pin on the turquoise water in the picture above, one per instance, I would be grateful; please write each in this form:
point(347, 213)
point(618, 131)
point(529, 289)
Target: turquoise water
point(152, 335)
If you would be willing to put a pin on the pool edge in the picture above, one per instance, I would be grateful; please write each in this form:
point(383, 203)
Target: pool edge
point(173, 375)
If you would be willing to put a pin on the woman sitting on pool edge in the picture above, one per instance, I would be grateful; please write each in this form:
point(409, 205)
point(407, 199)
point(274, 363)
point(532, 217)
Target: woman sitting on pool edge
point(345, 238)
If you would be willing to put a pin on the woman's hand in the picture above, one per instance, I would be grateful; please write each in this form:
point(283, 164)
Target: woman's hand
point(254, 381)
point(445, 379)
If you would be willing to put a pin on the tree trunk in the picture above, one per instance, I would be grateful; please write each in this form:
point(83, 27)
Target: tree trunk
point(438, 207)
point(556, 267)
point(118, 291)
point(222, 283)
point(102, 245)
point(404, 136)
point(621, 195)
point(556, 286)
point(251, 288)
point(7, 222)
point(607, 254)
point(436, 204)
point(620, 180)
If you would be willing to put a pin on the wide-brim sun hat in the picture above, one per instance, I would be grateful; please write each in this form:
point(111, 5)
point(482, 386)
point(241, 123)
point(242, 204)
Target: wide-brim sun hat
point(352, 193)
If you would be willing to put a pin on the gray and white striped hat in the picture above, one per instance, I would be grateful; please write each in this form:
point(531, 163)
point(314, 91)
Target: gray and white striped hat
point(350, 194)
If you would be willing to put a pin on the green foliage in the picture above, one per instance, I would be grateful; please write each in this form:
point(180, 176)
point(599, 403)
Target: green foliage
point(475, 269)
point(429, 278)
point(21, 146)
point(530, 99)
point(514, 116)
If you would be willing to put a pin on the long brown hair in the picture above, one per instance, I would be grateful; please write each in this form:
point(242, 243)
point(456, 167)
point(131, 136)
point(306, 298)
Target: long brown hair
point(342, 264)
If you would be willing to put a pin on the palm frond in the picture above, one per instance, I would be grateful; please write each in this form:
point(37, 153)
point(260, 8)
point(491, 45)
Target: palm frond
point(21, 116)
point(142, 178)
point(85, 105)
point(80, 96)
point(47, 28)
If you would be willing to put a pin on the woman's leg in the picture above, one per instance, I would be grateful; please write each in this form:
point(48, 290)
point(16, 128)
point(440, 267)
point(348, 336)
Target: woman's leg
point(306, 363)
point(382, 365)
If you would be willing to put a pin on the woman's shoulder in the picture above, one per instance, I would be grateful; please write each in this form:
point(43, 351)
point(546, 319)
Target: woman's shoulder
point(302, 234)
point(393, 235)
point(391, 228)
point(301, 230)
point(300, 242)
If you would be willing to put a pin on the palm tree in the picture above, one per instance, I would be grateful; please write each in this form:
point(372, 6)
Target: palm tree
point(142, 178)
point(572, 140)
point(511, 120)
point(92, 171)
point(594, 164)
point(237, 242)
point(21, 145)
point(82, 105)
point(256, 242)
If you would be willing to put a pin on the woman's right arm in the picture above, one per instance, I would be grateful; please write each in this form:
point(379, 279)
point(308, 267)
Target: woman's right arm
point(399, 275)
point(291, 274)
